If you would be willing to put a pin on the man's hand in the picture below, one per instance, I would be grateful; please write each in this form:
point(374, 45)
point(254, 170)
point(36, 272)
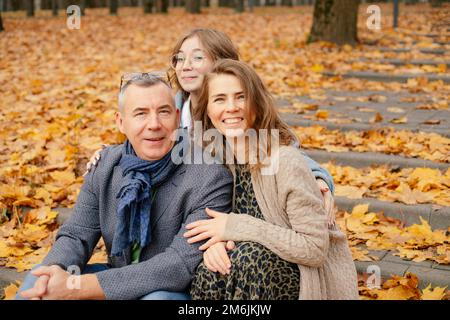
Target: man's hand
point(56, 280)
point(328, 201)
point(52, 284)
point(216, 258)
point(39, 289)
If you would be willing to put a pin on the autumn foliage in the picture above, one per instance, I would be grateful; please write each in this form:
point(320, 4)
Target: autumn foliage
point(59, 88)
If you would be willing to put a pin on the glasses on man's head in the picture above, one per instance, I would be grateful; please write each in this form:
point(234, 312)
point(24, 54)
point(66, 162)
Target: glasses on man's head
point(136, 76)
point(196, 59)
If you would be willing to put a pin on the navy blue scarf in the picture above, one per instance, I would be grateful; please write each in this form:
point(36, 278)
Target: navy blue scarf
point(140, 178)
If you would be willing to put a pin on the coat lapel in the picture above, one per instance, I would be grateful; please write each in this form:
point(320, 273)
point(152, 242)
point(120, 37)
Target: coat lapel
point(165, 196)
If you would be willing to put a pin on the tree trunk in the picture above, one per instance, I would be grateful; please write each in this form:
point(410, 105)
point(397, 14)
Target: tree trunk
point(335, 21)
point(193, 6)
point(250, 4)
point(165, 6)
point(83, 5)
point(55, 8)
point(113, 6)
point(436, 3)
point(1, 22)
point(162, 6)
point(239, 5)
point(30, 8)
point(148, 6)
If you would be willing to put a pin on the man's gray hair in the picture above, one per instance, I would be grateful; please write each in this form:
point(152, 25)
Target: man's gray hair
point(145, 80)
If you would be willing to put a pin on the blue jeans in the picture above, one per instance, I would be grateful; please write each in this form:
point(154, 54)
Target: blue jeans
point(29, 281)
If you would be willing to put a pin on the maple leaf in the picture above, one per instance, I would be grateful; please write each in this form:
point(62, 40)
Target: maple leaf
point(322, 114)
point(11, 290)
point(360, 255)
point(408, 196)
point(436, 293)
point(317, 68)
point(350, 192)
point(396, 293)
point(360, 210)
point(377, 118)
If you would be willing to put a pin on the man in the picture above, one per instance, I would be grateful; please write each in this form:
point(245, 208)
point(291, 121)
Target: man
point(139, 201)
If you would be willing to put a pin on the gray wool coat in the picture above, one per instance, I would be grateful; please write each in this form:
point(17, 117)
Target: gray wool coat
point(168, 262)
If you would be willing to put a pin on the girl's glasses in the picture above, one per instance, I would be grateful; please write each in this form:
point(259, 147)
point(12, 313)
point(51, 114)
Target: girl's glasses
point(195, 60)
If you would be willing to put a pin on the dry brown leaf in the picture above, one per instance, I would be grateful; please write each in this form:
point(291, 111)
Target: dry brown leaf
point(399, 120)
point(432, 121)
point(377, 118)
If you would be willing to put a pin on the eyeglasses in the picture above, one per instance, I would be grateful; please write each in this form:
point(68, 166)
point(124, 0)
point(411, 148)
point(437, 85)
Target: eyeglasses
point(196, 60)
point(136, 76)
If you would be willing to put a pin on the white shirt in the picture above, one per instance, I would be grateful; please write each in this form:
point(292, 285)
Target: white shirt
point(186, 118)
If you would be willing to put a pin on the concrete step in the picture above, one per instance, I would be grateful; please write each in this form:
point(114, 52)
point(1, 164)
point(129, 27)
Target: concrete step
point(297, 121)
point(366, 159)
point(441, 43)
point(428, 272)
point(439, 51)
point(432, 35)
point(400, 62)
point(387, 77)
point(438, 217)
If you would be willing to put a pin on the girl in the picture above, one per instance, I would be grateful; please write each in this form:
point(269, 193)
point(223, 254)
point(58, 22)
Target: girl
point(285, 249)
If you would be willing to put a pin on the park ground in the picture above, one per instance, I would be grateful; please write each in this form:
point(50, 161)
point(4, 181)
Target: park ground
point(375, 115)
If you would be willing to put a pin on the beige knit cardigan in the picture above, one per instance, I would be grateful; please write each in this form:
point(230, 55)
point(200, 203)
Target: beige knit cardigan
point(295, 228)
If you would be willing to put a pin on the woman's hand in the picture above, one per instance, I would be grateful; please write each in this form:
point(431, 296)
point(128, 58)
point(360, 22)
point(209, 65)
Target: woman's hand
point(216, 258)
point(94, 159)
point(328, 202)
point(211, 228)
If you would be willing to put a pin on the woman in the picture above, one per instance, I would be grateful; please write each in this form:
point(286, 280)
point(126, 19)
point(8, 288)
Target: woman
point(285, 249)
point(192, 58)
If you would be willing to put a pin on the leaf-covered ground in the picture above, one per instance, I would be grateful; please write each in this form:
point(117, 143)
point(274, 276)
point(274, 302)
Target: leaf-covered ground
point(58, 90)
point(409, 186)
point(428, 146)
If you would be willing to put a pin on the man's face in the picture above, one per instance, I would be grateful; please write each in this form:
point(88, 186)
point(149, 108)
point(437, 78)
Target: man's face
point(148, 119)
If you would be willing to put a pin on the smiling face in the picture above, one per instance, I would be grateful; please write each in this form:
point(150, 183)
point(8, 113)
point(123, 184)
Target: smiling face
point(148, 119)
point(191, 72)
point(227, 108)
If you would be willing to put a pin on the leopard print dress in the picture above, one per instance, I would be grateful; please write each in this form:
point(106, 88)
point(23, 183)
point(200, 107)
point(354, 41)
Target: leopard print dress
point(256, 272)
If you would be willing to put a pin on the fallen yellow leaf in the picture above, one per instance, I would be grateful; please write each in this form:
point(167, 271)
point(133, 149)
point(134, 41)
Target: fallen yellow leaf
point(436, 293)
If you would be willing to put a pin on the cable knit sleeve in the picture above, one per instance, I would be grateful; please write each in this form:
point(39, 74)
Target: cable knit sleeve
point(307, 241)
